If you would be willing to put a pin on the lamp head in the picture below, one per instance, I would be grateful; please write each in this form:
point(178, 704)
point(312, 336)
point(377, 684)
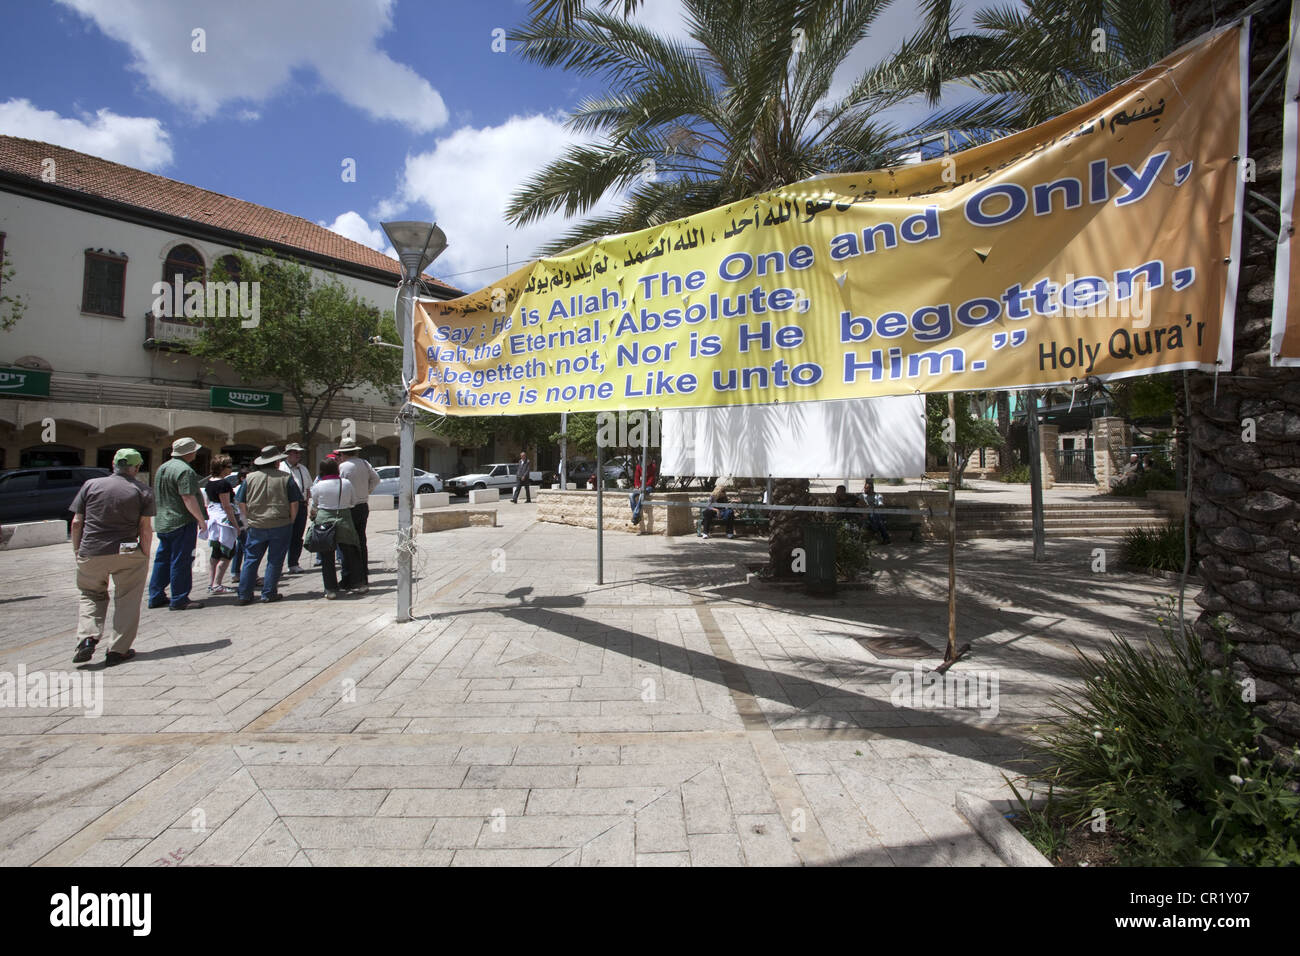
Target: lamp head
point(416, 244)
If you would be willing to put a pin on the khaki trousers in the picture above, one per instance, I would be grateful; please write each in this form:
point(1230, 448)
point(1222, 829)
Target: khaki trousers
point(129, 572)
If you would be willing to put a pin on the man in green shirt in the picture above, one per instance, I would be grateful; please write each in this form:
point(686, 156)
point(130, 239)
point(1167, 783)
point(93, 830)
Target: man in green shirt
point(176, 497)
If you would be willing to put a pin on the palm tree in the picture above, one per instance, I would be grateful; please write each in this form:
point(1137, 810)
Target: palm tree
point(744, 107)
point(1029, 64)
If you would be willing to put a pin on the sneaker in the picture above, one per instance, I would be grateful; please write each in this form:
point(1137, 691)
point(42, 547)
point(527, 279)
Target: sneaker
point(220, 589)
point(703, 535)
point(731, 534)
point(269, 598)
point(85, 651)
point(294, 569)
point(364, 589)
point(331, 595)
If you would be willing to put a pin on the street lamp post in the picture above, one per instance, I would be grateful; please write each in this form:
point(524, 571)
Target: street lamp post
point(417, 244)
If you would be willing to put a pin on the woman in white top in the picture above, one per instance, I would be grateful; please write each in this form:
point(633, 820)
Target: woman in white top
point(223, 525)
point(332, 499)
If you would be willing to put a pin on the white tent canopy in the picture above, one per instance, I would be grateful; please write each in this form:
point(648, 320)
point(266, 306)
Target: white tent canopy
point(880, 437)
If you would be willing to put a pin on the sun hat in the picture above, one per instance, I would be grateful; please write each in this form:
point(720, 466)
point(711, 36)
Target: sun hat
point(270, 455)
point(128, 456)
point(293, 446)
point(184, 446)
point(352, 449)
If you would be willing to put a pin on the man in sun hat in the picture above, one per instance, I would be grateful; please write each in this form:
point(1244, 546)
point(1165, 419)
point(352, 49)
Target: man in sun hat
point(293, 466)
point(112, 532)
point(364, 480)
point(269, 501)
point(176, 496)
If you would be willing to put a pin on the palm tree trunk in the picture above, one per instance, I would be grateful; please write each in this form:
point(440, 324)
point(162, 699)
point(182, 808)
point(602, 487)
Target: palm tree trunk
point(1246, 495)
point(786, 527)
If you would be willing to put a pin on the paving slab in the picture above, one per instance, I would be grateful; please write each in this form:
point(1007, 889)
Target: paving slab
point(675, 715)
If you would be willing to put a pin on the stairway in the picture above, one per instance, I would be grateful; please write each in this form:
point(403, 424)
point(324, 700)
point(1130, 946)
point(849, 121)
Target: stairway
point(1092, 519)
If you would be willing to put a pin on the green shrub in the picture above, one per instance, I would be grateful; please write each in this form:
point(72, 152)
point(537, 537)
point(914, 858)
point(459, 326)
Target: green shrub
point(1162, 741)
point(1156, 549)
point(1154, 478)
point(852, 550)
point(1018, 475)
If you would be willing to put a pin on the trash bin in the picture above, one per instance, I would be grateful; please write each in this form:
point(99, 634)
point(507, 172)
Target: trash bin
point(819, 548)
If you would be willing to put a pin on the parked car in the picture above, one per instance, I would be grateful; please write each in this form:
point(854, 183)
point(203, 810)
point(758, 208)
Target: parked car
point(39, 494)
point(501, 475)
point(426, 482)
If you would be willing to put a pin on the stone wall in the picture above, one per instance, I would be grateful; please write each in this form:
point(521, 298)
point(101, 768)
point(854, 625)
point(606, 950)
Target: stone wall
point(578, 508)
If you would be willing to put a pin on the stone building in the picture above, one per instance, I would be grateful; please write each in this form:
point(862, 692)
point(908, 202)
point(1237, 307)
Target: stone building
point(90, 368)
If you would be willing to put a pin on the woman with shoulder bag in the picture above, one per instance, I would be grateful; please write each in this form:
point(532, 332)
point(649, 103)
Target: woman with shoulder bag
point(332, 499)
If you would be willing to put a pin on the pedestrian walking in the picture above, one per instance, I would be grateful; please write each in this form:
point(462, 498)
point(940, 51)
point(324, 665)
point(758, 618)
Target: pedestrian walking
point(112, 533)
point(364, 481)
point(176, 498)
point(236, 478)
point(521, 480)
point(302, 477)
point(332, 500)
point(269, 501)
point(223, 521)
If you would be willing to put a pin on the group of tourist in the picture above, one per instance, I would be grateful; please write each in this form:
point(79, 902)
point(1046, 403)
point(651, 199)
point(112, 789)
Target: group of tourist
point(268, 510)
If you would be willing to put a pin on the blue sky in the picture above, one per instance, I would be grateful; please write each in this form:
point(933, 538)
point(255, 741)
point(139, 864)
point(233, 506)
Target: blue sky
point(439, 125)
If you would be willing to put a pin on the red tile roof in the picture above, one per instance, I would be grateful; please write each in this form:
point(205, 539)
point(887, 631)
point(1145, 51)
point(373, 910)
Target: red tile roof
point(97, 177)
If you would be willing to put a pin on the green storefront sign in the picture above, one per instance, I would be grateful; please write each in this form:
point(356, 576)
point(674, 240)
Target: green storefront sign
point(23, 381)
point(247, 400)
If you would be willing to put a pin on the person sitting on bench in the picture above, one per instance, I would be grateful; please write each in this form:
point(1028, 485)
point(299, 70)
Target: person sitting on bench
point(712, 512)
point(874, 521)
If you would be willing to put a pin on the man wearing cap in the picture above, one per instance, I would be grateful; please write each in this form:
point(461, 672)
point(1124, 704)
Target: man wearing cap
point(176, 497)
point(269, 500)
point(293, 466)
point(111, 537)
point(364, 480)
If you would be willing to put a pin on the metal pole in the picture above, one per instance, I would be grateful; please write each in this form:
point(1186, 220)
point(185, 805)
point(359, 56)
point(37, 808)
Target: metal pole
point(406, 453)
point(600, 513)
point(564, 451)
point(645, 455)
point(951, 652)
point(1035, 476)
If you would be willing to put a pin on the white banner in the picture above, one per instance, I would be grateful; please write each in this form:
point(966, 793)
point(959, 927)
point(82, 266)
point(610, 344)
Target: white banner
point(851, 439)
point(1285, 340)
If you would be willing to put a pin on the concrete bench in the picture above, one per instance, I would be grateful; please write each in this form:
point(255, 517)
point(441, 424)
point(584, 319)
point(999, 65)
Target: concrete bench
point(382, 502)
point(438, 499)
point(34, 534)
point(483, 496)
point(444, 520)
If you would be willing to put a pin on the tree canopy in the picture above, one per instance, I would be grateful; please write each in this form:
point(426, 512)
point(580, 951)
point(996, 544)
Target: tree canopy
point(312, 338)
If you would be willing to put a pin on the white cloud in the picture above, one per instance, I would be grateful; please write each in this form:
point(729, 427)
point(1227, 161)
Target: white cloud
point(252, 47)
point(138, 141)
point(353, 225)
point(467, 180)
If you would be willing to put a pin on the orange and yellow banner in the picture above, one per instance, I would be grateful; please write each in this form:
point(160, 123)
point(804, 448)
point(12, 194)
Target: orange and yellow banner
point(1102, 243)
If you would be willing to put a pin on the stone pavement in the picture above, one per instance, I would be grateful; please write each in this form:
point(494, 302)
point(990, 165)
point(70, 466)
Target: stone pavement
point(673, 716)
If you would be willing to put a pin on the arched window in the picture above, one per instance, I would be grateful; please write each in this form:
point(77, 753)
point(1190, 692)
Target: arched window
point(183, 261)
